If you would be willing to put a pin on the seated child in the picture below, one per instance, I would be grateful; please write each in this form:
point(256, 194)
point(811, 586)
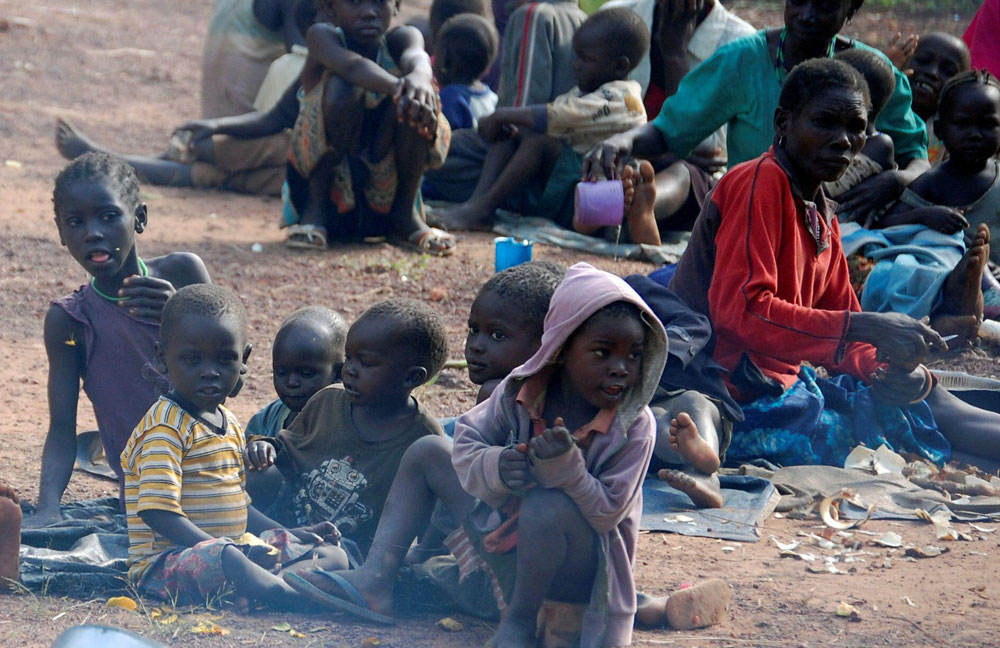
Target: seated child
point(463, 51)
point(546, 474)
point(339, 457)
point(307, 355)
point(505, 322)
point(367, 127)
point(442, 11)
point(878, 152)
point(187, 510)
point(10, 536)
point(938, 57)
point(946, 202)
point(535, 156)
point(103, 333)
point(245, 152)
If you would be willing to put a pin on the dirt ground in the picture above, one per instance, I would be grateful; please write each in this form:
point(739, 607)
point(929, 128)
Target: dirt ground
point(126, 73)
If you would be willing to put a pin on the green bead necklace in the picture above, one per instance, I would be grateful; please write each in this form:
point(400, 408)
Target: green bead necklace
point(143, 272)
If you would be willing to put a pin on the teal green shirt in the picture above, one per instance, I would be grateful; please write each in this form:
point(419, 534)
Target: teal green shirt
point(737, 86)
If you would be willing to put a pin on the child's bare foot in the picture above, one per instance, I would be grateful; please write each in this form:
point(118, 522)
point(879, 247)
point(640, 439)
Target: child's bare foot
point(695, 451)
point(469, 216)
point(512, 634)
point(640, 187)
point(10, 535)
point(963, 293)
point(70, 143)
point(703, 490)
point(700, 606)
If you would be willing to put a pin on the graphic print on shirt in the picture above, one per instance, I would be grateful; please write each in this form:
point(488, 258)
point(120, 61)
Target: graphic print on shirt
point(332, 492)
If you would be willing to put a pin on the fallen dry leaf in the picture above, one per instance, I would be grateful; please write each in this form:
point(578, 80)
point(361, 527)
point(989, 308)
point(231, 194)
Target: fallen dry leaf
point(210, 629)
point(449, 624)
point(371, 642)
point(122, 602)
point(889, 539)
point(284, 626)
point(846, 609)
point(438, 294)
point(928, 551)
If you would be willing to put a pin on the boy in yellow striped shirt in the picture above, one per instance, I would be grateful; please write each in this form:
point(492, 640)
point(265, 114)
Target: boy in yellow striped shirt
point(187, 508)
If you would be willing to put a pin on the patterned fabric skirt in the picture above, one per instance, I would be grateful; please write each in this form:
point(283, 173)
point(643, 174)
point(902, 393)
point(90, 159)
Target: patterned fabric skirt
point(820, 420)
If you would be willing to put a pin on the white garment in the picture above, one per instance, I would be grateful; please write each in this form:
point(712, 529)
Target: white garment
point(282, 73)
point(719, 28)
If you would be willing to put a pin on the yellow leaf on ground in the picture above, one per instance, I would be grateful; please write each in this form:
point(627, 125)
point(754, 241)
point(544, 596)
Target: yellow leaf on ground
point(296, 634)
point(846, 609)
point(371, 642)
point(210, 629)
point(451, 625)
point(122, 602)
point(284, 626)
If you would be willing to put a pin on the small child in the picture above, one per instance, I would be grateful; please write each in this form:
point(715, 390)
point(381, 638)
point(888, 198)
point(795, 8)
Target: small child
point(338, 458)
point(463, 51)
point(878, 153)
point(368, 125)
point(546, 475)
point(187, 510)
point(938, 57)
point(960, 194)
point(505, 322)
point(442, 11)
point(103, 333)
point(535, 156)
point(307, 355)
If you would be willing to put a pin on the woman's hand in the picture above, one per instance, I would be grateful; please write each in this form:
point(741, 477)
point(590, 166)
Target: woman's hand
point(145, 297)
point(555, 441)
point(902, 341)
point(324, 532)
point(899, 388)
point(200, 129)
point(607, 160)
point(871, 195)
point(259, 455)
point(416, 103)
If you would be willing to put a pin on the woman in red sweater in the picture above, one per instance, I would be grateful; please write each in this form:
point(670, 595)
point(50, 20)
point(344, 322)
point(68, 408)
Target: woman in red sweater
point(766, 265)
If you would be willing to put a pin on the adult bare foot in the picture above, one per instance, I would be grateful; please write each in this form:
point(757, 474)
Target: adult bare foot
point(469, 216)
point(640, 198)
point(700, 606)
point(704, 490)
point(512, 634)
point(10, 536)
point(70, 143)
point(684, 440)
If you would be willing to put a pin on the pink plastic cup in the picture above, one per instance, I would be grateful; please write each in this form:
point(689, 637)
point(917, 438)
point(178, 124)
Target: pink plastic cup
point(600, 204)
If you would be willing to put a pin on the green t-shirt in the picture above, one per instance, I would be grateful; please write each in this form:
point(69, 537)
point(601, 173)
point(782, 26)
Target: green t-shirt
point(738, 86)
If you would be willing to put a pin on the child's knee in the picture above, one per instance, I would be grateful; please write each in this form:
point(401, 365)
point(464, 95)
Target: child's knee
point(549, 508)
point(430, 450)
point(341, 101)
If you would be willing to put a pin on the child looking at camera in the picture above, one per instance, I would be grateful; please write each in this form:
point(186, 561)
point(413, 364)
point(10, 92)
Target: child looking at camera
point(307, 355)
point(937, 58)
point(186, 506)
point(338, 458)
point(535, 156)
point(368, 104)
point(546, 474)
point(103, 333)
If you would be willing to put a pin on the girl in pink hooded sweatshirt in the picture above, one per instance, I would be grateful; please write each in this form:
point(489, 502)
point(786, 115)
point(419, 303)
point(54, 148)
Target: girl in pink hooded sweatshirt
point(546, 474)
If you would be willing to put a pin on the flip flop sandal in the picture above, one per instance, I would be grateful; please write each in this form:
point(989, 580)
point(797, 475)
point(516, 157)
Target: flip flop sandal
point(354, 604)
point(432, 241)
point(306, 237)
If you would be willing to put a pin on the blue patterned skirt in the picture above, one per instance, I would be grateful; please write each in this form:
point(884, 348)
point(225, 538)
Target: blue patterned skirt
point(819, 421)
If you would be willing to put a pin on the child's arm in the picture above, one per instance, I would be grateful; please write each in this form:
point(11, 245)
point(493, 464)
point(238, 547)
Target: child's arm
point(319, 533)
point(505, 122)
point(250, 125)
point(604, 499)
point(175, 527)
point(64, 346)
point(943, 219)
point(145, 297)
point(481, 447)
point(416, 98)
point(325, 48)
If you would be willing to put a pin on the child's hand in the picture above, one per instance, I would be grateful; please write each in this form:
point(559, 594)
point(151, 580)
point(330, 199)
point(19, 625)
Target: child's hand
point(259, 455)
point(200, 129)
point(943, 219)
point(416, 103)
point(900, 49)
point(553, 442)
point(492, 129)
point(515, 471)
point(263, 556)
point(318, 533)
point(144, 297)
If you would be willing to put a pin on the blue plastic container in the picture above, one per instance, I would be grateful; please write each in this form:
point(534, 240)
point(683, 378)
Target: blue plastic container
point(510, 252)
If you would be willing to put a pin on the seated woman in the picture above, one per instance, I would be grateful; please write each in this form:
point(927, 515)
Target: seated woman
point(739, 85)
point(783, 297)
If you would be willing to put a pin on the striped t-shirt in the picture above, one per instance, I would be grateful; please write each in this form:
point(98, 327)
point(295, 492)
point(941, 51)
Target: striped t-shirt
point(173, 462)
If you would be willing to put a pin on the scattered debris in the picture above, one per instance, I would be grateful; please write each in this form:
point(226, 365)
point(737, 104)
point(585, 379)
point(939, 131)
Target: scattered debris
point(371, 642)
point(829, 510)
point(786, 546)
point(908, 601)
point(928, 551)
point(209, 628)
point(848, 611)
point(889, 539)
point(982, 529)
point(438, 293)
point(882, 461)
point(13, 164)
point(679, 519)
point(942, 525)
point(256, 247)
point(449, 624)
